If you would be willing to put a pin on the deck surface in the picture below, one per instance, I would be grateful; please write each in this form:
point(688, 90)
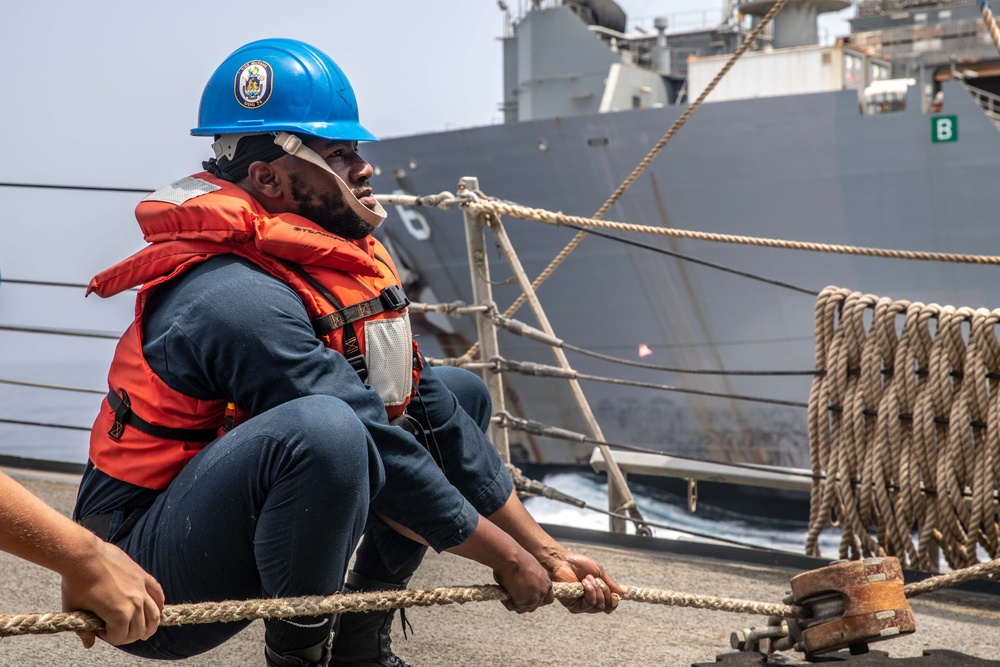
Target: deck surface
point(486, 634)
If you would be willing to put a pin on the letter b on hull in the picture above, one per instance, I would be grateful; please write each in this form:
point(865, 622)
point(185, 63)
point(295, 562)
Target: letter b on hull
point(944, 128)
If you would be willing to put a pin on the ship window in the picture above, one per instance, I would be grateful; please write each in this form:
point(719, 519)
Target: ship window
point(597, 141)
point(854, 68)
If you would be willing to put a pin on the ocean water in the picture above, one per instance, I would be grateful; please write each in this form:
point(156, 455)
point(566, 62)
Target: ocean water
point(670, 510)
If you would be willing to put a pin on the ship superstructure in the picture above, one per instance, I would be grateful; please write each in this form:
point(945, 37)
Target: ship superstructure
point(868, 140)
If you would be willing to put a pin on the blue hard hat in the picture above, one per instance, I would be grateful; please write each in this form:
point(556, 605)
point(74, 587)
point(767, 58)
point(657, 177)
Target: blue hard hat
point(275, 85)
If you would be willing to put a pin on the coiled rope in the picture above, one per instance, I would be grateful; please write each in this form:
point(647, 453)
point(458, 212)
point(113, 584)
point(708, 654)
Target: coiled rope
point(913, 437)
point(249, 610)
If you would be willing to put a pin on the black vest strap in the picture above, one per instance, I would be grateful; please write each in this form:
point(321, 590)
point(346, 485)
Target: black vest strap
point(122, 405)
point(345, 316)
point(390, 298)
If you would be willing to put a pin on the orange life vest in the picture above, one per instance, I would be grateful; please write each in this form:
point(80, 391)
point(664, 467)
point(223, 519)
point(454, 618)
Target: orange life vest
point(146, 432)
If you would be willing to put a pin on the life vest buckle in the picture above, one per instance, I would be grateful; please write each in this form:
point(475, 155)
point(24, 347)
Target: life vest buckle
point(357, 362)
point(122, 411)
point(394, 298)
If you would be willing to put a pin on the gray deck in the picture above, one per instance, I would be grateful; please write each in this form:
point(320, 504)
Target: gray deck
point(486, 634)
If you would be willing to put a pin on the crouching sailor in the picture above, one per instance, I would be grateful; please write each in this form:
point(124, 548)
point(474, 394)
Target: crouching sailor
point(267, 410)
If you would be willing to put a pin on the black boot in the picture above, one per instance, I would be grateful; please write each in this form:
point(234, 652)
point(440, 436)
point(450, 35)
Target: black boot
point(313, 656)
point(362, 640)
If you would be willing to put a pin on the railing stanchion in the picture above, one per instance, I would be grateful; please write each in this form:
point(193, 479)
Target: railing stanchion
point(620, 499)
point(482, 293)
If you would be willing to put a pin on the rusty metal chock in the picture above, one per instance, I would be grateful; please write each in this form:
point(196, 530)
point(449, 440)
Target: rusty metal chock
point(850, 604)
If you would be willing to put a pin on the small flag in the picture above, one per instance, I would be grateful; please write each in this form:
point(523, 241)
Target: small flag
point(644, 351)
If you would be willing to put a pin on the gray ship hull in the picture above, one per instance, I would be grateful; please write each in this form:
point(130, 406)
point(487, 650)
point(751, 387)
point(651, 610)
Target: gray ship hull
point(805, 167)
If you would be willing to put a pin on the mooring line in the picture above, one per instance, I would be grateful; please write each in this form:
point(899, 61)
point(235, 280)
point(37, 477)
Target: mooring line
point(250, 610)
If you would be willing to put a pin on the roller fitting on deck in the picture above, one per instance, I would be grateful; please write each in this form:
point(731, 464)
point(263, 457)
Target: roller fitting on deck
point(848, 604)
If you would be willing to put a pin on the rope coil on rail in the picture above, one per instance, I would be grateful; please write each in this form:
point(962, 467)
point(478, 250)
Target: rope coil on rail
point(913, 439)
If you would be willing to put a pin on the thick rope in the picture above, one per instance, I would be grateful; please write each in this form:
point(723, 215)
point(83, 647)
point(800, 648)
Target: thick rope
point(980, 571)
point(645, 162)
point(249, 610)
point(991, 24)
point(556, 218)
point(904, 430)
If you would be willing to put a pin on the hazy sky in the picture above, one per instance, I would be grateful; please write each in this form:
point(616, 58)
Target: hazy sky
point(115, 84)
point(105, 92)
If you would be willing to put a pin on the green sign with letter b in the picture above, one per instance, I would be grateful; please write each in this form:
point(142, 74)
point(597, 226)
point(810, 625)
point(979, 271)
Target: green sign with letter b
point(944, 128)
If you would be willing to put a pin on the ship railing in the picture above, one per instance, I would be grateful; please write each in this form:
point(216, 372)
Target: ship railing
point(987, 101)
point(694, 471)
point(867, 8)
point(862, 409)
point(620, 500)
point(486, 359)
point(928, 41)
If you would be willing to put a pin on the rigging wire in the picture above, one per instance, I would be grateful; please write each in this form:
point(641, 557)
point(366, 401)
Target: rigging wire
point(509, 421)
point(695, 260)
point(42, 385)
point(18, 422)
point(542, 370)
point(690, 371)
point(85, 188)
point(524, 330)
point(42, 283)
point(80, 333)
point(686, 531)
point(58, 387)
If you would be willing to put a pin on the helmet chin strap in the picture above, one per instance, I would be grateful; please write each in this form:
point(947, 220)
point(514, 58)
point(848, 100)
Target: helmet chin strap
point(294, 146)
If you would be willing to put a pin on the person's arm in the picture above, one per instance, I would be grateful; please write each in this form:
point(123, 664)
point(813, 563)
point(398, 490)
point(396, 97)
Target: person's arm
point(526, 560)
point(562, 565)
point(96, 576)
point(516, 570)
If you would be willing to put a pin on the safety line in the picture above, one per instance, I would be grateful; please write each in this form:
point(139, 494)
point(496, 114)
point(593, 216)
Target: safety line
point(696, 260)
point(60, 387)
point(79, 333)
point(86, 188)
point(560, 219)
point(18, 422)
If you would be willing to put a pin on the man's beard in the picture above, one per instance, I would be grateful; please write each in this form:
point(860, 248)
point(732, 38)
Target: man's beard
point(329, 210)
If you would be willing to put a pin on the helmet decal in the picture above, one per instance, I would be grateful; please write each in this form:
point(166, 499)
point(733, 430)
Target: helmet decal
point(253, 84)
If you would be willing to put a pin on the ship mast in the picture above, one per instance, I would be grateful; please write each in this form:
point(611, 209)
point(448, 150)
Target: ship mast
point(796, 23)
